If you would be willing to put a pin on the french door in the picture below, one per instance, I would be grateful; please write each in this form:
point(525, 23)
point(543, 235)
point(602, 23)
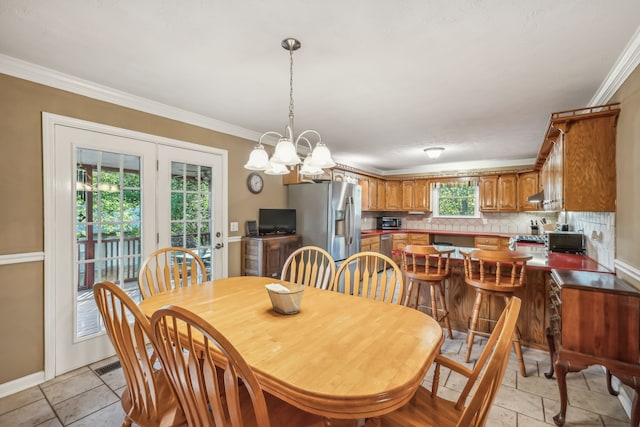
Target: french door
point(118, 196)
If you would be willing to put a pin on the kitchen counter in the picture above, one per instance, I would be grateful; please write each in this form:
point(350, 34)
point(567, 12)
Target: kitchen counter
point(368, 233)
point(540, 260)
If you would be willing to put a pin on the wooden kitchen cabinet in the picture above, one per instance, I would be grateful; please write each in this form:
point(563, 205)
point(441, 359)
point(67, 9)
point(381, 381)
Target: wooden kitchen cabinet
point(398, 239)
point(419, 239)
point(407, 194)
point(489, 193)
point(422, 195)
point(415, 194)
point(393, 199)
point(528, 185)
point(382, 194)
point(508, 193)
point(499, 193)
point(552, 181)
point(363, 181)
point(373, 193)
point(266, 255)
point(370, 244)
point(579, 151)
point(493, 243)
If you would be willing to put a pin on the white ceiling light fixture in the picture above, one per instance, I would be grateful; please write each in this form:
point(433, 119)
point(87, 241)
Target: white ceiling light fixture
point(434, 152)
point(286, 151)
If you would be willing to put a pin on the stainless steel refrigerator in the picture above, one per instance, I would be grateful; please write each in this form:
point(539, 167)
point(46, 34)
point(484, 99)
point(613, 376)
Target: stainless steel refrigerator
point(328, 215)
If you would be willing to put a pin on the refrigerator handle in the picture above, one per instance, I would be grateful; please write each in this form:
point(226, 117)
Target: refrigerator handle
point(349, 218)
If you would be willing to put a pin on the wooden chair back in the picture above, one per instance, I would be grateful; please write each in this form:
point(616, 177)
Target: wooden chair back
point(489, 369)
point(428, 409)
point(371, 275)
point(435, 266)
point(500, 271)
point(148, 398)
point(190, 350)
point(170, 268)
point(310, 266)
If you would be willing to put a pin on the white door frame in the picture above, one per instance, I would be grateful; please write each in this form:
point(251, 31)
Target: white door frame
point(49, 121)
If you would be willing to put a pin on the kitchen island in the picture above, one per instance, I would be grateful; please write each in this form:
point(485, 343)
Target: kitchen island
point(534, 317)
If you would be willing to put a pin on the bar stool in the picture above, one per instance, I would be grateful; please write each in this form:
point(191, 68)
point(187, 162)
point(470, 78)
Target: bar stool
point(431, 273)
point(503, 280)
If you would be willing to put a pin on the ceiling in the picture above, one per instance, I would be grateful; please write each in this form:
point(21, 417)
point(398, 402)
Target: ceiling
point(380, 80)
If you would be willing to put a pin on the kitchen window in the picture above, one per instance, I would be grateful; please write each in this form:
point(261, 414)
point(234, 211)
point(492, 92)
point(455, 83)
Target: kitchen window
point(455, 199)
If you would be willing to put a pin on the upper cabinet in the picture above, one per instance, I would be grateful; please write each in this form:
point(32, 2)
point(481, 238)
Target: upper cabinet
point(528, 185)
point(364, 184)
point(489, 193)
point(499, 193)
point(393, 195)
point(415, 195)
point(579, 152)
point(508, 193)
point(421, 195)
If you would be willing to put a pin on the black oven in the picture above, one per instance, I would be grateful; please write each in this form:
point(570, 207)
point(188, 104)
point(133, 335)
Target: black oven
point(388, 223)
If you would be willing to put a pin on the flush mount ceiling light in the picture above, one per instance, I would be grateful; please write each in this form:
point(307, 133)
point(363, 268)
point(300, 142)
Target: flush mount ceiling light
point(433, 152)
point(286, 151)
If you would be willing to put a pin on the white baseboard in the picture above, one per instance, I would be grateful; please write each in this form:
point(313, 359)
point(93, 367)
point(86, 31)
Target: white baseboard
point(20, 384)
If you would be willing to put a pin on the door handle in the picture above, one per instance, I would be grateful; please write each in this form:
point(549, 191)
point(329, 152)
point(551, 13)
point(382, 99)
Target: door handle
point(219, 246)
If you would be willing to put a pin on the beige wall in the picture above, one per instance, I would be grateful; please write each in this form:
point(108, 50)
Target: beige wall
point(627, 163)
point(21, 189)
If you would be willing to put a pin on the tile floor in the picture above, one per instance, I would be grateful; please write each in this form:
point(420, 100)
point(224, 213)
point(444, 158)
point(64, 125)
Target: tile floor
point(84, 398)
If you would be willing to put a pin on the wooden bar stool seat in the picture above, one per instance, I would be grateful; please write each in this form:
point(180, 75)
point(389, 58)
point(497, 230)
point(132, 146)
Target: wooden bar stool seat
point(433, 273)
point(493, 273)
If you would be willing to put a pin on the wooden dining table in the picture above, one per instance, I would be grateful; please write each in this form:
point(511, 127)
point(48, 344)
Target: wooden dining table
point(342, 357)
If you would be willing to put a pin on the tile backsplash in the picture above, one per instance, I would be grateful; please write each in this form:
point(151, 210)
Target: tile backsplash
point(513, 223)
point(599, 229)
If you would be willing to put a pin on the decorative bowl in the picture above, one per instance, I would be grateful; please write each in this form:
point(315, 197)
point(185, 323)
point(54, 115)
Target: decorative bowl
point(286, 298)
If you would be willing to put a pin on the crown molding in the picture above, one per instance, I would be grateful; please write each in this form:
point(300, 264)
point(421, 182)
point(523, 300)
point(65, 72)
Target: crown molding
point(462, 167)
point(621, 70)
point(46, 76)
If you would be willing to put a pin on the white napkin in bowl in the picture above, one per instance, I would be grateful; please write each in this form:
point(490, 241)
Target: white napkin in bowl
point(277, 287)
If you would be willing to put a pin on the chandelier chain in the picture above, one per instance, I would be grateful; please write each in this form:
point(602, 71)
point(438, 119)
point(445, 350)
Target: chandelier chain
point(291, 83)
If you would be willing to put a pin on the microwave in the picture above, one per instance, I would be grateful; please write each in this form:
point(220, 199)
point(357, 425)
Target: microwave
point(388, 223)
point(567, 242)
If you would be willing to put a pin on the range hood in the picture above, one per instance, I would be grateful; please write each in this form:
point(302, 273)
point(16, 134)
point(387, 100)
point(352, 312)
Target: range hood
point(538, 197)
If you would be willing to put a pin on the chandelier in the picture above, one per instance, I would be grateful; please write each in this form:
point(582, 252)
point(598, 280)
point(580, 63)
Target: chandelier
point(286, 151)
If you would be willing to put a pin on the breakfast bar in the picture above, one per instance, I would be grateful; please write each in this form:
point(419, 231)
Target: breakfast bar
point(534, 295)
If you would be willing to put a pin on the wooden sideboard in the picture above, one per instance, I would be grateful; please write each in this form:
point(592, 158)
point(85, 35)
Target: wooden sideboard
point(266, 255)
point(594, 320)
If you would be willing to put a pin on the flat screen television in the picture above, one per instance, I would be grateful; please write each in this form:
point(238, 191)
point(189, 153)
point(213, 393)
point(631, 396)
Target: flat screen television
point(277, 221)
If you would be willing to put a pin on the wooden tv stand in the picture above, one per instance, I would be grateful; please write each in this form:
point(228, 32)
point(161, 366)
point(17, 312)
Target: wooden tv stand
point(266, 255)
point(595, 320)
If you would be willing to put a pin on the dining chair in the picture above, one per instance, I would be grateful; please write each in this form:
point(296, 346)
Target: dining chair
point(426, 265)
point(371, 275)
point(170, 268)
point(310, 266)
point(195, 356)
point(493, 273)
point(148, 399)
point(427, 409)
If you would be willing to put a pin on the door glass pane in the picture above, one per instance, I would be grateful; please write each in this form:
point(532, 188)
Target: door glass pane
point(108, 229)
point(191, 207)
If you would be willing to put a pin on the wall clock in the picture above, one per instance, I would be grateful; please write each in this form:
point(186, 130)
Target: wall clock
point(255, 183)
